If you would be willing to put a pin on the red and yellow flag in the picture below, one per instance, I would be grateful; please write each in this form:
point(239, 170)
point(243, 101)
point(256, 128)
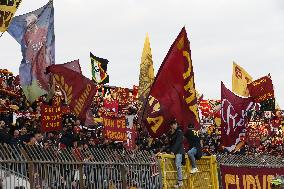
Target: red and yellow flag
point(79, 92)
point(261, 89)
point(173, 94)
point(240, 79)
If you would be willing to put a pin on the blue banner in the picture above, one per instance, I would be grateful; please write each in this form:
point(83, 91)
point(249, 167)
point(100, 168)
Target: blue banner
point(35, 32)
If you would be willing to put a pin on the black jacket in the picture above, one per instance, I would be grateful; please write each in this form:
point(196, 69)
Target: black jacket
point(194, 142)
point(193, 139)
point(177, 142)
point(4, 136)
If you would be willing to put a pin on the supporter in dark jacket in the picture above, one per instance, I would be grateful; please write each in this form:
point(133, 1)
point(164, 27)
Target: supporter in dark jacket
point(195, 150)
point(4, 136)
point(16, 138)
point(177, 148)
point(24, 136)
point(67, 138)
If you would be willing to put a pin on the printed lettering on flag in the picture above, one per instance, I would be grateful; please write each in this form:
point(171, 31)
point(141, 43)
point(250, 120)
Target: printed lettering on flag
point(240, 177)
point(115, 128)
point(79, 92)
point(233, 117)
point(173, 94)
point(51, 118)
point(261, 89)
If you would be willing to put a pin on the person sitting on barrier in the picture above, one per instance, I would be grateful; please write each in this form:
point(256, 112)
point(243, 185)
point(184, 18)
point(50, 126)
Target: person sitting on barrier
point(195, 150)
point(177, 149)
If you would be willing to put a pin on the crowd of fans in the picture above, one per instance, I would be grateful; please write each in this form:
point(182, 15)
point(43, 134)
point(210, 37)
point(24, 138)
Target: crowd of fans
point(263, 135)
point(20, 125)
point(20, 121)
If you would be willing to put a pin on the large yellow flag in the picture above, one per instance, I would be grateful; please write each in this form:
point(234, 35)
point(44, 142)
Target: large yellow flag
point(240, 79)
point(146, 77)
point(7, 11)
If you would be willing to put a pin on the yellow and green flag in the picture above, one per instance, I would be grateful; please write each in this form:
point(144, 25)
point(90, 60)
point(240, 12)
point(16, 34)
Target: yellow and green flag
point(240, 79)
point(7, 11)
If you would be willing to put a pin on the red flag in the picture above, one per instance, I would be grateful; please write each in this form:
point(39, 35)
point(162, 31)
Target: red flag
point(51, 118)
point(261, 89)
point(111, 105)
point(233, 114)
point(78, 89)
point(173, 95)
point(73, 65)
point(115, 128)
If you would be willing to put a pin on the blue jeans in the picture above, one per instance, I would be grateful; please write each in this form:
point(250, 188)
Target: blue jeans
point(191, 154)
point(179, 167)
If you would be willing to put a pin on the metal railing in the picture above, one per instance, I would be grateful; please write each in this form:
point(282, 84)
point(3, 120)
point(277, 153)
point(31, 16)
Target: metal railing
point(254, 160)
point(205, 178)
point(35, 167)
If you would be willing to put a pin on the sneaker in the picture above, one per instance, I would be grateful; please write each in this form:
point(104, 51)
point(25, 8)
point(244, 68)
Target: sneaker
point(180, 184)
point(194, 170)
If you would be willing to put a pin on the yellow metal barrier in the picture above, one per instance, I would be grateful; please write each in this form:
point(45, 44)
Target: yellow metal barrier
point(206, 178)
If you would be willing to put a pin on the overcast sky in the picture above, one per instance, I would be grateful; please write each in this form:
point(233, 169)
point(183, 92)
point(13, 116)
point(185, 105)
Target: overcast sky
point(220, 31)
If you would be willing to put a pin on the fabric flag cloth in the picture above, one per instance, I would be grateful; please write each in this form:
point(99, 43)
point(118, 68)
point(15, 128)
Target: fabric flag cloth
point(240, 79)
point(72, 65)
point(99, 69)
point(35, 32)
point(111, 105)
point(173, 94)
point(146, 77)
point(79, 92)
point(261, 89)
point(233, 114)
point(75, 66)
point(7, 11)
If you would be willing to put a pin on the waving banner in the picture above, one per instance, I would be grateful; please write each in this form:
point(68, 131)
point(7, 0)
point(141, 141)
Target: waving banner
point(34, 31)
point(79, 92)
point(173, 94)
point(146, 76)
point(261, 89)
point(99, 69)
point(7, 11)
point(240, 79)
point(233, 113)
